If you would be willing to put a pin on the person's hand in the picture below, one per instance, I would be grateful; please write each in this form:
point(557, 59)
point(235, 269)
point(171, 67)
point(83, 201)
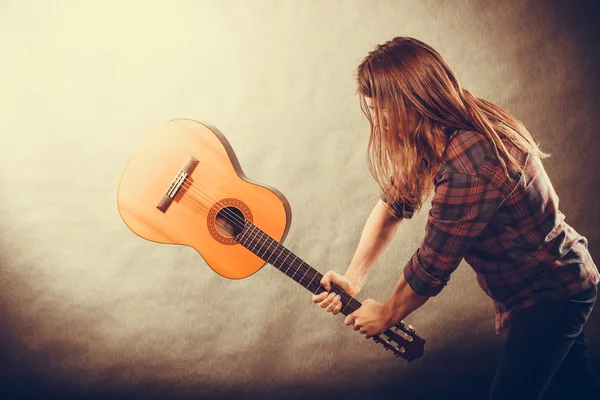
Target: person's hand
point(331, 301)
point(370, 319)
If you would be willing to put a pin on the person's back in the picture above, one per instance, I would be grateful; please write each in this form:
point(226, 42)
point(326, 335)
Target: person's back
point(527, 251)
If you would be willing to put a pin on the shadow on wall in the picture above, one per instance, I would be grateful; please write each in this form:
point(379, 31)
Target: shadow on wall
point(462, 372)
point(568, 124)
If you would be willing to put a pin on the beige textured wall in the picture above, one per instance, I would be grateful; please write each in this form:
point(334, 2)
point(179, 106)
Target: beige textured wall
point(87, 308)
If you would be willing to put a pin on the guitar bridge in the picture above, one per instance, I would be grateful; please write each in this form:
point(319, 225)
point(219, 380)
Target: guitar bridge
point(176, 184)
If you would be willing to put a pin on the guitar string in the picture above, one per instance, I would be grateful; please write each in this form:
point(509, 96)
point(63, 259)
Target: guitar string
point(196, 203)
point(191, 187)
point(196, 189)
point(199, 206)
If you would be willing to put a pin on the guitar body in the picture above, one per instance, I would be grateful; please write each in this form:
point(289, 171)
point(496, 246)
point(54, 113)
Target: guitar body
point(192, 217)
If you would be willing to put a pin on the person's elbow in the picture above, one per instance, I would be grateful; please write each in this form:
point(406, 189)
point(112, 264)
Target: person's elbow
point(388, 214)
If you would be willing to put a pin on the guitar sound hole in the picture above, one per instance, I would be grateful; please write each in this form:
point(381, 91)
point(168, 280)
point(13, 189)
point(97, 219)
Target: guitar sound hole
point(230, 221)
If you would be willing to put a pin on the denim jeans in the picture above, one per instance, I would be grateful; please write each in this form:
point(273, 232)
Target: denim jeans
point(545, 343)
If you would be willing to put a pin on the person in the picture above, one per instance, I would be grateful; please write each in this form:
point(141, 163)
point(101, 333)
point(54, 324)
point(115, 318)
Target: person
point(493, 205)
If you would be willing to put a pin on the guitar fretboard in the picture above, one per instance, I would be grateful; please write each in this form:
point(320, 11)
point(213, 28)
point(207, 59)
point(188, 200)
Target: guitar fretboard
point(268, 249)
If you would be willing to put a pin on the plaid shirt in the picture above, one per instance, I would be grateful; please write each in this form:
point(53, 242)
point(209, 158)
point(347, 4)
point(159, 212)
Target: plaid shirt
point(510, 232)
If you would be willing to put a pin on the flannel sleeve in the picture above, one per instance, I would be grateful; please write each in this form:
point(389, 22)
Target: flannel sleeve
point(400, 209)
point(461, 208)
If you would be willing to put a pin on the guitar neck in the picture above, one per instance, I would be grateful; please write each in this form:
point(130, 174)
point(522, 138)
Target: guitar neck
point(400, 339)
point(268, 249)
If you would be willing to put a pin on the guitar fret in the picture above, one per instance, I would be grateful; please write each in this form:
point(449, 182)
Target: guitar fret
point(263, 247)
point(279, 253)
point(343, 308)
point(255, 232)
point(318, 284)
point(286, 257)
point(280, 249)
point(300, 267)
point(267, 254)
point(280, 263)
point(297, 269)
point(273, 251)
point(292, 263)
point(270, 242)
point(244, 231)
point(247, 233)
point(313, 278)
point(307, 269)
point(258, 245)
point(261, 234)
point(274, 263)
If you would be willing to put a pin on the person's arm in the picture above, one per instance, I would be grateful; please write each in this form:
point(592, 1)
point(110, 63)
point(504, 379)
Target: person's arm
point(379, 229)
point(403, 301)
point(461, 209)
point(373, 318)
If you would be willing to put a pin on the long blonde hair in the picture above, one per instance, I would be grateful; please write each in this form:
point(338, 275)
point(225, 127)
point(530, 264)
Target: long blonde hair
point(425, 104)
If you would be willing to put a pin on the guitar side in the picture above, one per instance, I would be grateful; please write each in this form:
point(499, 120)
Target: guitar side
point(190, 217)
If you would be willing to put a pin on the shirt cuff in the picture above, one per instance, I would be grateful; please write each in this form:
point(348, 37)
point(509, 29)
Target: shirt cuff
point(421, 281)
point(400, 210)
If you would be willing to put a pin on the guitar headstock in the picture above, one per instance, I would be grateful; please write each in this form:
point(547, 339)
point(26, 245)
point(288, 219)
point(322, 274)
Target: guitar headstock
point(402, 340)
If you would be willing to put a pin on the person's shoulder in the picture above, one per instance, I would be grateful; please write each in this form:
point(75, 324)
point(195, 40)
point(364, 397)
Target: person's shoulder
point(465, 152)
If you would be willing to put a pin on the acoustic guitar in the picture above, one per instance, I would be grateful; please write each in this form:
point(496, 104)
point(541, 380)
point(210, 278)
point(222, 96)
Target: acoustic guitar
point(185, 186)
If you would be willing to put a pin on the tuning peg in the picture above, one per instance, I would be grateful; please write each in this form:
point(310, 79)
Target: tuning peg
point(405, 336)
point(411, 329)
